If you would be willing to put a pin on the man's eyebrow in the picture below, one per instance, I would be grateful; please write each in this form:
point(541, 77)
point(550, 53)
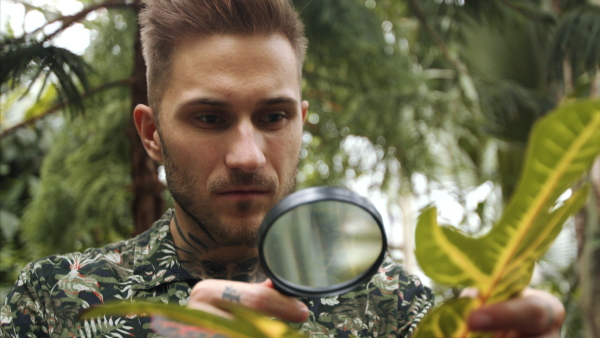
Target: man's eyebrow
point(278, 100)
point(204, 101)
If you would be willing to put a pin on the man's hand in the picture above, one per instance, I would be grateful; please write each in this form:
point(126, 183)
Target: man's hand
point(535, 314)
point(210, 296)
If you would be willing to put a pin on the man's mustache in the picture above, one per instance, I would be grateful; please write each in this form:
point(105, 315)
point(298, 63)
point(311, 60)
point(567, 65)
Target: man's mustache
point(241, 179)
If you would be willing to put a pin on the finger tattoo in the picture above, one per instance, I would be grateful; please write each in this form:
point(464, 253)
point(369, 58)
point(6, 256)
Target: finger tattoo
point(230, 294)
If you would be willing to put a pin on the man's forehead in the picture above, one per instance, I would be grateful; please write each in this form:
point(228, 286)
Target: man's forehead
point(221, 70)
point(234, 54)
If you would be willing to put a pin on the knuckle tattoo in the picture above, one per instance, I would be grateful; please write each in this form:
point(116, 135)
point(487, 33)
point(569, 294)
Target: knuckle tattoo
point(231, 294)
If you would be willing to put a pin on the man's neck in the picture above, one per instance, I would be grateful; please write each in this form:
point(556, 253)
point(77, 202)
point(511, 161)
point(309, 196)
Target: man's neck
point(202, 255)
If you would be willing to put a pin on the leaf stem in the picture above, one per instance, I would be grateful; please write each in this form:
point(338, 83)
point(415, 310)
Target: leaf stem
point(60, 105)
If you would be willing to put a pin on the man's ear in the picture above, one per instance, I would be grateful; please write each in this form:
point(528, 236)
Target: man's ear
point(145, 123)
point(304, 108)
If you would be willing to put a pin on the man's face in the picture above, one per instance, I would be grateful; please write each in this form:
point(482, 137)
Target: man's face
point(230, 130)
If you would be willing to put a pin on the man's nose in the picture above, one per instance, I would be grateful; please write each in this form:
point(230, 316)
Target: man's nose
point(245, 150)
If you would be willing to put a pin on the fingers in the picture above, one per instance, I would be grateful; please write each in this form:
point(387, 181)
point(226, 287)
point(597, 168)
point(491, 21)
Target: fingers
point(268, 283)
point(213, 295)
point(535, 313)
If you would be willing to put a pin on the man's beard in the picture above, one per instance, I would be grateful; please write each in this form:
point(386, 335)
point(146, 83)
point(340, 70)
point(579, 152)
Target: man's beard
point(183, 186)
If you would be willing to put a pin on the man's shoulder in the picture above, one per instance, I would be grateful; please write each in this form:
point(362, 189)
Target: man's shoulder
point(50, 292)
point(116, 259)
point(113, 261)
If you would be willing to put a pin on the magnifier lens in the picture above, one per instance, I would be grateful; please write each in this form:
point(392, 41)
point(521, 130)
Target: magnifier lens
point(316, 246)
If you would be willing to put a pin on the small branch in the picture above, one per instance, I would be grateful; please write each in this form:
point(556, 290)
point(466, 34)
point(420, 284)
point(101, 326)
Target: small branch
point(60, 106)
point(567, 77)
point(595, 83)
point(414, 5)
point(68, 20)
point(38, 8)
point(556, 7)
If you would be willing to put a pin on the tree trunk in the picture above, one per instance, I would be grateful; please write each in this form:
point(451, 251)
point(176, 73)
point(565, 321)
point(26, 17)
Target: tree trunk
point(148, 203)
point(590, 256)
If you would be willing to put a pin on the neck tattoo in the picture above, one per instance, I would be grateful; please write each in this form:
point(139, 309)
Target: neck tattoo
point(204, 258)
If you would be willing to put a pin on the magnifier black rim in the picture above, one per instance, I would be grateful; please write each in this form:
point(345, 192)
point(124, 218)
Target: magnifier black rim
point(309, 196)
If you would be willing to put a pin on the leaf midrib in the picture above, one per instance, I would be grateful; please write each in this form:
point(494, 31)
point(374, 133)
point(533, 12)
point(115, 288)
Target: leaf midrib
point(533, 212)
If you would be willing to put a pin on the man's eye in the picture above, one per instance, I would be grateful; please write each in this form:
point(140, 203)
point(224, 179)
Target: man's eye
point(274, 118)
point(210, 119)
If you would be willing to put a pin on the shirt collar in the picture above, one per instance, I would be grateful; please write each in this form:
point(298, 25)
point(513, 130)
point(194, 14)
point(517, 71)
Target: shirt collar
point(155, 257)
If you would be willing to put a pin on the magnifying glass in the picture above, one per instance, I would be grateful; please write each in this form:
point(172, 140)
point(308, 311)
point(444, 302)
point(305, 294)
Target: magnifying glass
point(321, 241)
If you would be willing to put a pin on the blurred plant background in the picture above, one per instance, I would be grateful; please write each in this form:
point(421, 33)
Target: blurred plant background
point(412, 102)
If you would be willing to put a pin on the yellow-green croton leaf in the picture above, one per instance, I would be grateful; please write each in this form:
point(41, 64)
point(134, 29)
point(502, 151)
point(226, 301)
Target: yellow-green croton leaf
point(173, 320)
point(561, 150)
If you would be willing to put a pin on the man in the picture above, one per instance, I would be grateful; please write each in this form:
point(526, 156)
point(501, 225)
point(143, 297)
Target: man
point(225, 117)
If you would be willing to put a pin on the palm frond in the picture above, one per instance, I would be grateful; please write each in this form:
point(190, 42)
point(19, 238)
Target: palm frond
point(577, 40)
point(508, 62)
point(25, 62)
point(512, 49)
point(511, 109)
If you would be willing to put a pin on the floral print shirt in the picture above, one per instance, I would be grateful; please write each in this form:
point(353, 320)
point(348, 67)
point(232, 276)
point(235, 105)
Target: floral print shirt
point(51, 292)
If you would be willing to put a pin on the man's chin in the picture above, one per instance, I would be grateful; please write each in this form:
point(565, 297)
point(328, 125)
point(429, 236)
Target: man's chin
point(243, 212)
point(244, 229)
point(241, 223)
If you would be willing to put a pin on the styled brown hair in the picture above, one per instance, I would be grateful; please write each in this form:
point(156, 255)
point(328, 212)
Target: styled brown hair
point(164, 22)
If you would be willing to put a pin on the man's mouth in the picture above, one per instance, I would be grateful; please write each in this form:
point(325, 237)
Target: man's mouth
point(243, 193)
